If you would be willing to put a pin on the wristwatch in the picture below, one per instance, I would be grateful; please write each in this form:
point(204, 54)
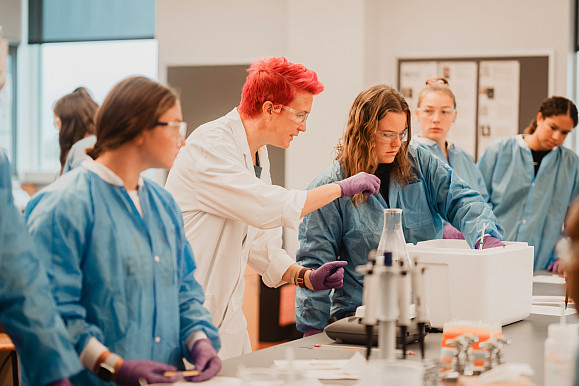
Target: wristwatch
point(106, 372)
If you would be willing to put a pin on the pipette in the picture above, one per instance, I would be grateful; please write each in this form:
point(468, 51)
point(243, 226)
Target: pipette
point(370, 298)
point(417, 275)
point(482, 236)
point(403, 303)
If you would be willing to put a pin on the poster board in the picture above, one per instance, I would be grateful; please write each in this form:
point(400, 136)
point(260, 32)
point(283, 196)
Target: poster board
point(496, 96)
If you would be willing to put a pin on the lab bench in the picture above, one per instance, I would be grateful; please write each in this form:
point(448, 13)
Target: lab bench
point(527, 336)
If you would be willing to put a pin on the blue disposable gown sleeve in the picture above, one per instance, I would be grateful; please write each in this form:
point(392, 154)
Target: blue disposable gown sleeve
point(456, 201)
point(486, 164)
point(28, 312)
point(320, 238)
point(193, 315)
point(60, 232)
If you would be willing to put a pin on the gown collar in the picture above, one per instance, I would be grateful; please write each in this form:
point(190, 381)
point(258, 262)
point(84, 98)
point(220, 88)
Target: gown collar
point(106, 174)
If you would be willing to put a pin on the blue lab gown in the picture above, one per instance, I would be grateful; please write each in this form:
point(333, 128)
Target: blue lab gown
point(340, 231)
point(530, 208)
point(27, 311)
point(124, 279)
point(77, 153)
point(458, 159)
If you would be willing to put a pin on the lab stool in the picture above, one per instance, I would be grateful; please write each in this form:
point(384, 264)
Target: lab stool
point(7, 345)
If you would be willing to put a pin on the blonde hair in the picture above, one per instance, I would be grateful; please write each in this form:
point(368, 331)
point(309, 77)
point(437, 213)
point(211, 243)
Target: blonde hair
point(356, 150)
point(436, 85)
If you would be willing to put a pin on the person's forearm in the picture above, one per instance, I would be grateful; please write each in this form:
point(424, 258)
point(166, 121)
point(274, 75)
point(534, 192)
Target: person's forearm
point(320, 196)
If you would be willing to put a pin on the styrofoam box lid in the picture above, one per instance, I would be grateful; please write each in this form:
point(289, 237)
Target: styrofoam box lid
point(461, 247)
point(492, 285)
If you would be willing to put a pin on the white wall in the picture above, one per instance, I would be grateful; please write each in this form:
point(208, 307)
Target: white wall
point(353, 44)
point(207, 32)
point(477, 28)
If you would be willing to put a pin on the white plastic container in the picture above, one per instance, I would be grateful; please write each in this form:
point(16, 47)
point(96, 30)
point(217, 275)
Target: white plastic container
point(560, 354)
point(493, 285)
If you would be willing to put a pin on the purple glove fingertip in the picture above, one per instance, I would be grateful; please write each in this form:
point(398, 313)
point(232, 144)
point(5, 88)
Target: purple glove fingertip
point(311, 331)
point(61, 382)
point(554, 267)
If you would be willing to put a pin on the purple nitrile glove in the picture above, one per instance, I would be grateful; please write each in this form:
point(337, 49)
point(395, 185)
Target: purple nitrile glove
point(554, 266)
point(132, 370)
point(61, 382)
point(490, 242)
point(311, 331)
point(205, 359)
point(450, 232)
point(364, 183)
point(328, 276)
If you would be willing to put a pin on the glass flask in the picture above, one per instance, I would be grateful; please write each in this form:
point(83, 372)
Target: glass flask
point(392, 239)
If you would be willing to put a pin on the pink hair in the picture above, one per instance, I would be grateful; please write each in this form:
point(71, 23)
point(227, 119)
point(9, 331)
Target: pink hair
point(275, 80)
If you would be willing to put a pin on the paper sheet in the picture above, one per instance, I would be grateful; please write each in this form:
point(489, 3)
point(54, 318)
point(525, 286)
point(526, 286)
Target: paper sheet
point(329, 369)
point(554, 300)
point(215, 381)
point(549, 279)
point(550, 310)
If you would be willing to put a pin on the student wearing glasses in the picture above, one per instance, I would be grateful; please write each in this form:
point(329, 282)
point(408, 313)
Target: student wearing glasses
point(233, 214)
point(532, 179)
point(115, 250)
point(376, 140)
point(436, 112)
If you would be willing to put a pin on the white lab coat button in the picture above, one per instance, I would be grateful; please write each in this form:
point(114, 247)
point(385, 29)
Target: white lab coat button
point(157, 339)
point(157, 259)
point(524, 221)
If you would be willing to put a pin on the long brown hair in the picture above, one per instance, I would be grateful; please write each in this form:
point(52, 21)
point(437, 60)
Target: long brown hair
point(356, 150)
point(553, 106)
point(132, 106)
point(76, 112)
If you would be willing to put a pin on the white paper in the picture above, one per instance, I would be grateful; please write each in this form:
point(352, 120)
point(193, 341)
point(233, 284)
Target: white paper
point(498, 103)
point(550, 310)
point(352, 368)
point(215, 381)
point(551, 300)
point(550, 279)
point(462, 78)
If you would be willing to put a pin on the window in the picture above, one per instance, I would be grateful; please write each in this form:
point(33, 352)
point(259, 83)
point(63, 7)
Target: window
point(95, 65)
point(8, 109)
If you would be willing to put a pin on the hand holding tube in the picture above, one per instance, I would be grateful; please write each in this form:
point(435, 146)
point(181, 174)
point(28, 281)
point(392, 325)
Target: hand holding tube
point(205, 359)
point(132, 370)
point(328, 276)
point(490, 242)
point(367, 184)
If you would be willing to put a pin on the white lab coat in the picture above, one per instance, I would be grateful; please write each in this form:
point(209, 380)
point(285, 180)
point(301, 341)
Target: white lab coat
point(231, 218)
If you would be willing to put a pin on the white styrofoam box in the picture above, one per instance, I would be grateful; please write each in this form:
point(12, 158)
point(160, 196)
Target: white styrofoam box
point(492, 285)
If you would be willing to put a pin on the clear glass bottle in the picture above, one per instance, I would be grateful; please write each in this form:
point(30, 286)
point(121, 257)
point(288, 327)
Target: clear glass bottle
point(560, 353)
point(392, 239)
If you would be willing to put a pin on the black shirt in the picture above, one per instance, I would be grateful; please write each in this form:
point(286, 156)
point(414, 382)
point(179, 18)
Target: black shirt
point(538, 157)
point(383, 173)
